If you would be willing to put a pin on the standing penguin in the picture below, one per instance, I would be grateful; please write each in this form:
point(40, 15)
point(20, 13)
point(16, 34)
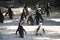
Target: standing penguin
point(38, 17)
point(48, 9)
point(21, 31)
point(23, 17)
point(30, 20)
point(25, 7)
point(40, 30)
point(10, 13)
point(1, 17)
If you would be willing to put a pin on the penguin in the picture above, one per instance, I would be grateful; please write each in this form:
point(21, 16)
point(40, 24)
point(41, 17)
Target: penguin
point(30, 20)
point(1, 17)
point(39, 30)
point(21, 31)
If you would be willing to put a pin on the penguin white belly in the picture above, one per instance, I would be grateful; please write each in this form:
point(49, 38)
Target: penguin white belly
point(40, 31)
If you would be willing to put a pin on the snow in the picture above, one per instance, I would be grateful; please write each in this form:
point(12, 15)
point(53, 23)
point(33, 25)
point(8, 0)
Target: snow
point(51, 25)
